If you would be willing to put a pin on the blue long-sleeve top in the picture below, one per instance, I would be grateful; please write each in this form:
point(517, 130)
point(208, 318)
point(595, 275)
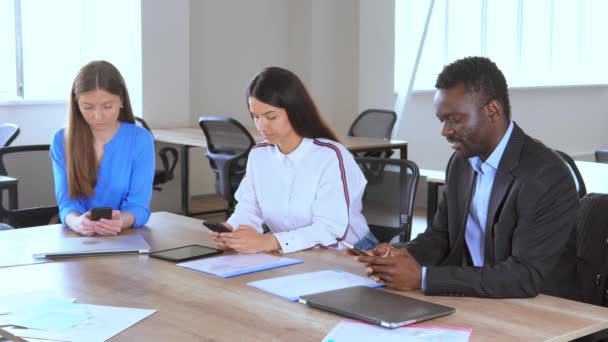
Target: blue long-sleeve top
point(124, 177)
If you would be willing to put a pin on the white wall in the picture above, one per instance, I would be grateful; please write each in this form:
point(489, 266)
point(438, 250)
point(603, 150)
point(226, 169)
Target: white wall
point(318, 40)
point(232, 40)
point(376, 54)
point(37, 123)
point(228, 47)
point(335, 59)
point(572, 119)
point(166, 79)
point(166, 62)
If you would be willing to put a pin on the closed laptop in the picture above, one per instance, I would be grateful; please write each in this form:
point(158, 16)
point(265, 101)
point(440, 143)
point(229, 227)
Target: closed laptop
point(376, 306)
point(94, 245)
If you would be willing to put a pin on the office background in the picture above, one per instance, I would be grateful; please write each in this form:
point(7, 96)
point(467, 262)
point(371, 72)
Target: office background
point(198, 55)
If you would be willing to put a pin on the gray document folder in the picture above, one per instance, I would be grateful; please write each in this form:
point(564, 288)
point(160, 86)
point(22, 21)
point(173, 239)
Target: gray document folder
point(376, 306)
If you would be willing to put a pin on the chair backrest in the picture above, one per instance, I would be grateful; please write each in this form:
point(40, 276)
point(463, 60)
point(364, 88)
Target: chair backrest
point(373, 123)
point(31, 165)
point(141, 123)
point(168, 157)
point(388, 201)
point(228, 145)
point(578, 179)
point(8, 133)
point(592, 250)
point(601, 155)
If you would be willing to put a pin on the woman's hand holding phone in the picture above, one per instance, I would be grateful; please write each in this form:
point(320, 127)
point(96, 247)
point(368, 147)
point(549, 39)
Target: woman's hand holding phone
point(80, 223)
point(215, 231)
point(111, 226)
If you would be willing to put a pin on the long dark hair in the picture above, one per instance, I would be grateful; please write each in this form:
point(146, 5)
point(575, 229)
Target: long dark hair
point(281, 88)
point(81, 163)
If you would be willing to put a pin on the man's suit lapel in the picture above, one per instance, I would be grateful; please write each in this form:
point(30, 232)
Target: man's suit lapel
point(502, 183)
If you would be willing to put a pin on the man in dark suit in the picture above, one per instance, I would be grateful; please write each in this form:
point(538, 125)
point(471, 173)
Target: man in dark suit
point(505, 226)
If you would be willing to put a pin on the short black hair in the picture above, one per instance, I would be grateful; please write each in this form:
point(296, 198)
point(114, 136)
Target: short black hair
point(480, 77)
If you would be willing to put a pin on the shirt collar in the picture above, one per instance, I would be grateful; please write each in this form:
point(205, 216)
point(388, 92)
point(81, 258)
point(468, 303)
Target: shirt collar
point(494, 159)
point(296, 155)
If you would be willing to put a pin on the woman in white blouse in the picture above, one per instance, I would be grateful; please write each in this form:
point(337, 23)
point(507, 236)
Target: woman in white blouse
point(300, 182)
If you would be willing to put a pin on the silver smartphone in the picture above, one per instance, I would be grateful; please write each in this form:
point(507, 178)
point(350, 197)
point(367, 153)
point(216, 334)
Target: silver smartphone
point(351, 247)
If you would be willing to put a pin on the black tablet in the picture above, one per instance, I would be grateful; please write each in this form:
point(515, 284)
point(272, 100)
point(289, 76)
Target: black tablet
point(186, 253)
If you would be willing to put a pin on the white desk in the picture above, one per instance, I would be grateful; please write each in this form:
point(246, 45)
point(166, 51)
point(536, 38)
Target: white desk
point(189, 137)
point(595, 176)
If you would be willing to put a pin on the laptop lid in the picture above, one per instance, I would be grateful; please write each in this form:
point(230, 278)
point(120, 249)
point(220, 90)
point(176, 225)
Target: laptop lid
point(94, 245)
point(376, 306)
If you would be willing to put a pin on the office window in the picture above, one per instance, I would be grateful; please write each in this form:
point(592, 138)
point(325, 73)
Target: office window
point(535, 43)
point(8, 68)
point(60, 36)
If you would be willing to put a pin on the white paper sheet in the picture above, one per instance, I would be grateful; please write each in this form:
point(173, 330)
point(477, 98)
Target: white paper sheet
point(16, 252)
point(355, 331)
point(293, 286)
point(17, 301)
point(105, 322)
point(236, 264)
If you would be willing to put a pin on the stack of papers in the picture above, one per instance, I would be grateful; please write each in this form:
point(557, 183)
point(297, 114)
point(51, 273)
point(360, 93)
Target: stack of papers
point(293, 286)
point(227, 266)
point(353, 331)
point(59, 319)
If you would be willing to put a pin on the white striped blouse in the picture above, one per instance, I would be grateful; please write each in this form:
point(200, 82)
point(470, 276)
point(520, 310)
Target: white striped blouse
point(310, 197)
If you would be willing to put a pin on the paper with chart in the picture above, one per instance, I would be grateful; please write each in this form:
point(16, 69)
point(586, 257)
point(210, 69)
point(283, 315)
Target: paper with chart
point(227, 266)
point(293, 286)
point(16, 252)
point(356, 331)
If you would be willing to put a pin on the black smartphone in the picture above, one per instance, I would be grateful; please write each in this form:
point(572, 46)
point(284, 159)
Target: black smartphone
point(101, 212)
point(351, 247)
point(186, 253)
point(217, 227)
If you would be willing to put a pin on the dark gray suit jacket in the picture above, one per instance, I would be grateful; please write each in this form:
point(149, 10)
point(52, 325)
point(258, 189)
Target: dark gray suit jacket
point(530, 236)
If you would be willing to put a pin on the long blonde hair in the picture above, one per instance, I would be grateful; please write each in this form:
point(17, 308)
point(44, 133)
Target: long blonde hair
point(81, 163)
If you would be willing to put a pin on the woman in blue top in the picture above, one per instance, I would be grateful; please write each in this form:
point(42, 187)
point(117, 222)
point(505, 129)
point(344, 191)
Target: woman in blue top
point(102, 159)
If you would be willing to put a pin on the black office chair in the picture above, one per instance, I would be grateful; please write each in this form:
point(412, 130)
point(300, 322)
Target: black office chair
point(388, 201)
point(592, 250)
point(228, 146)
point(578, 179)
point(374, 123)
point(592, 256)
point(601, 155)
point(8, 133)
point(28, 164)
point(168, 157)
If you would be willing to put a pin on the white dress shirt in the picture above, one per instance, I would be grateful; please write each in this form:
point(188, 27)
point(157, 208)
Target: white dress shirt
point(309, 197)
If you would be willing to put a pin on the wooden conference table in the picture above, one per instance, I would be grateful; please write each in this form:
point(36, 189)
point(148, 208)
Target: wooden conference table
point(595, 176)
point(193, 137)
point(194, 306)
